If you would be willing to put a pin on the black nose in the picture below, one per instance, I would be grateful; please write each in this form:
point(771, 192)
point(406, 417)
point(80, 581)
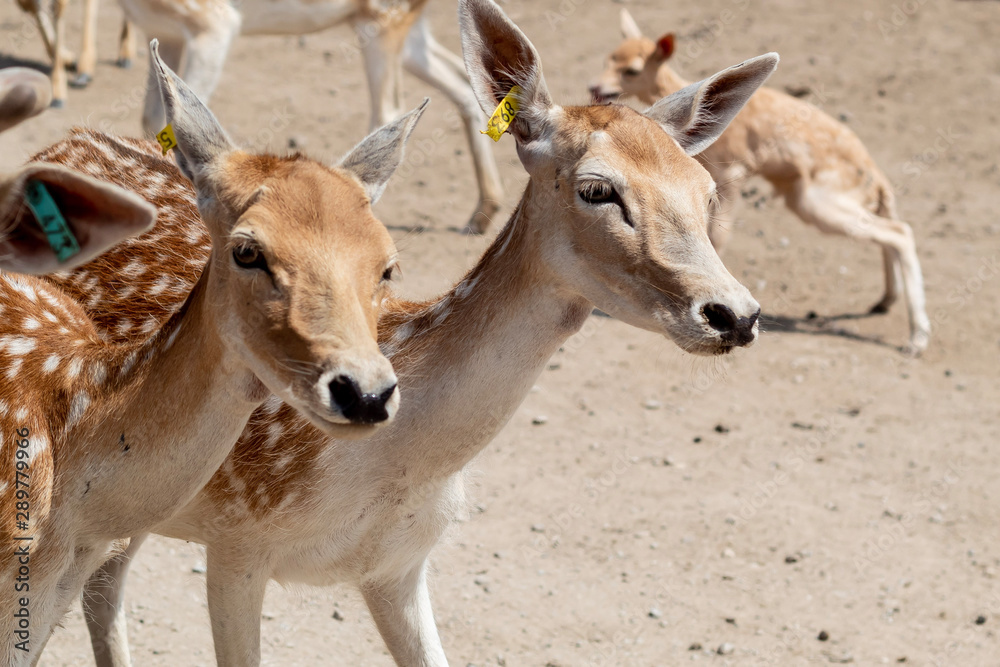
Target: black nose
point(359, 407)
point(734, 330)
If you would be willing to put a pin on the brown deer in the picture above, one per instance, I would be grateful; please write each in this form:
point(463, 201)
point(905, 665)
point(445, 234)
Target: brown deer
point(98, 214)
point(816, 163)
point(107, 438)
point(614, 216)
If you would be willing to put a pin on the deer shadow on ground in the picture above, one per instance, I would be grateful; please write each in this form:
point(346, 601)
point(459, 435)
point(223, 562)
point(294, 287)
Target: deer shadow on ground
point(820, 325)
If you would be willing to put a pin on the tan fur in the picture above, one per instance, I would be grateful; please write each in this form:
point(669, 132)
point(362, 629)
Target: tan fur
point(121, 426)
point(369, 512)
point(820, 167)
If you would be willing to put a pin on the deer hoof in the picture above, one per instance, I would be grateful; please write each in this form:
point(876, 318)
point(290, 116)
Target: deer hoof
point(80, 81)
point(57, 104)
point(124, 63)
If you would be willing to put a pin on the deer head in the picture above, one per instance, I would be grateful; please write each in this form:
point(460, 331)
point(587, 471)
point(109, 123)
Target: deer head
point(632, 68)
point(98, 215)
point(300, 264)
point(621, 204)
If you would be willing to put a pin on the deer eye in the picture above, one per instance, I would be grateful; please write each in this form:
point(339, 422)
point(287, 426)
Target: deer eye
point(387, 274)
point(599, 193)
point(631, 71)
point(249, 256)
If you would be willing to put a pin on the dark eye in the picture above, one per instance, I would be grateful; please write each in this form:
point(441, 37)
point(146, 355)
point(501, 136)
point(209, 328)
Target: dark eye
point(632, 72)
point(597, 193)
point(387, 274)
point(249, 256)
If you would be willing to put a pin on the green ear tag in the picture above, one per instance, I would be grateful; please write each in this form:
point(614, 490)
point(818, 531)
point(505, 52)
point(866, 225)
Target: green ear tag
point(52, 221)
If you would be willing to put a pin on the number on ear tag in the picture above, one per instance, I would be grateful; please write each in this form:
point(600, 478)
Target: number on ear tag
point(51, 219)
point(503, 116)
point(167, 139)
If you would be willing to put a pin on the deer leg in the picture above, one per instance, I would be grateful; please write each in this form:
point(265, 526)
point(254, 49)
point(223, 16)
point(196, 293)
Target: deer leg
point(59, 80)
point(103, 599)
point(838, 214)
point(87, 61)
point(126, 45)
point(402, 611)
point(153, 114)
point(426, 59)
point(381, 48)
point(893, 281)
point(206, 53)
point(236, 587)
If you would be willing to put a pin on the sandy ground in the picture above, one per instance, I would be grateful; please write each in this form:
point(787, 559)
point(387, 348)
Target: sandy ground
point(671, 505)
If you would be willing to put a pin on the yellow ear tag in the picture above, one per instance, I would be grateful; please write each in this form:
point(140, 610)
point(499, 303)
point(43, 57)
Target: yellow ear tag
point(503, 116)
point(167, 139)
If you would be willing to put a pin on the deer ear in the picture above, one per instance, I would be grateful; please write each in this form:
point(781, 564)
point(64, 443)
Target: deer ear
point(99, 215)
point(23, 93)
point(375, 159)
point(665, 46)
point(200, 138)
point(630, 29)
point(498, 57)
point(696, 115)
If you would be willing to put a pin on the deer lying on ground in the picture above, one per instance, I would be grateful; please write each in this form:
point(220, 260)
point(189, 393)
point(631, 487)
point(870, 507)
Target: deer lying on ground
point(98, 214)
point(392, 36)
point(816, 163)
point(614, 216)
point(53, 31)
point(108, 438)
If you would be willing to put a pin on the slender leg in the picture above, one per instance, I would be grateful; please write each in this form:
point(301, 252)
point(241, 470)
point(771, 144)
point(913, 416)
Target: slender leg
point(430, 61)
point(87, 61)
point(59, 79)
point(126, 45)
point(838, 214)
point(153, 114)
point(381, 47)
point(206, 53)
point(402, 611)
point(236, 587)
point(103, 599)
point(893, 280)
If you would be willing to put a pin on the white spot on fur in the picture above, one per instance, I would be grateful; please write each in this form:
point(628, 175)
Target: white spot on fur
point(274, 432)
point(124, 327)
point(51, 364)
point(16, 346)
point(3, 408)
point(149, 325)
point(134, 269)
point(129, 362)
point(21, 415)
point(77, 408)
point(22, 287)
point(49, 316)
point(30, 324)
point(98, 373)
point(161, 284)
point(75, 366)
point(15, 366)
point(272, 404)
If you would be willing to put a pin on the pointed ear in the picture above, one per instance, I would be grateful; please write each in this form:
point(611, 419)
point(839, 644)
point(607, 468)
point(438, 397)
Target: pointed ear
point(696, 115)
point(375, 159)
point(23, 93)
point(498, 57)
point(98, 214)
point(630, 29)
point(665, 46)
point(200, 139)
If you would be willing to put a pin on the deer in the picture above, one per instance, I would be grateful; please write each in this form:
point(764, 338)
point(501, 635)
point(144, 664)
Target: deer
point(53, 32)
point(817, 164)
point(98, 214)
point(107, 438)
point(614, 216)
point(196, 38)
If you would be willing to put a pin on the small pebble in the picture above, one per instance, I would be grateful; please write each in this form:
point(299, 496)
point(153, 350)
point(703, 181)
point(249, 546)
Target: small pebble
point(719, 428)
point(725, 649)
point(655, 613)
point(791, 559)
point(980, 620)
point(337, 616)
point(694, 647)
point(728, 553)
point(652, 404)
point(199, 568)
point(539, 420)
point(538, 527)
point(823, 636)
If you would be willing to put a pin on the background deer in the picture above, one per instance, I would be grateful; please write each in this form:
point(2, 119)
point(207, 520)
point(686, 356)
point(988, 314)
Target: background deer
point(816, 163)
point(614, 215)
point(98, 214)
point(116, 436)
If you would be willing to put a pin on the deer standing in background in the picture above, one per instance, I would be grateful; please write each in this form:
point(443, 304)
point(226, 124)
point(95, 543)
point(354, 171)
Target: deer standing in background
point(614, 216)
point(98, 214)
point(816, 163)
point(106, 439)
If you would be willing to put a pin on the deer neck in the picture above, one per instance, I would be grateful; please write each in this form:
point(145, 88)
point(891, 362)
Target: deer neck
point(667, 82)
point(467, 360)
point(177, 406)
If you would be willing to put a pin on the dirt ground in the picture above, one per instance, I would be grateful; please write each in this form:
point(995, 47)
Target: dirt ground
point(673, 508)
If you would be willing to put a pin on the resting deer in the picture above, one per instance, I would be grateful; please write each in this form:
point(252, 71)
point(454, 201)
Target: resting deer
point(816, 163)
point(53, 31)
point(614, 216)
point(392, 36)
point(118, 435)
point(98, 214)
